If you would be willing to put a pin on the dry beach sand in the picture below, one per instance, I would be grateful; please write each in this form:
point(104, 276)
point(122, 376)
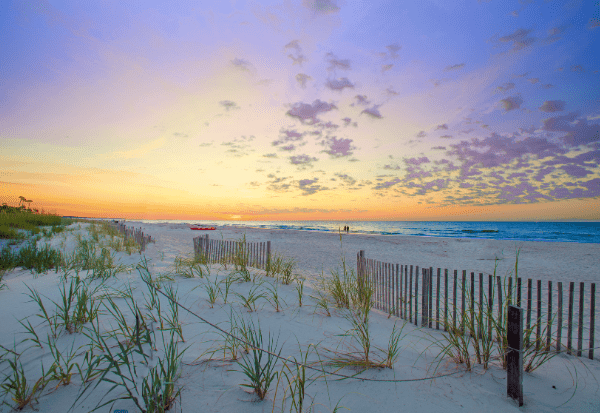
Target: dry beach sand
point(565, 383)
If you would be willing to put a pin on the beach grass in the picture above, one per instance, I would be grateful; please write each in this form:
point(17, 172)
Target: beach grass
point(128, 357)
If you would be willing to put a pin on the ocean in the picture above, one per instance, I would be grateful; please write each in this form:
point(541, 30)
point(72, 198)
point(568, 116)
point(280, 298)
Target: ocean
point(582, 232)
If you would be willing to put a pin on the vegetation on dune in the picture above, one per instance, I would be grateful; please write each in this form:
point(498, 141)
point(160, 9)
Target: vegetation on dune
point(134, 345)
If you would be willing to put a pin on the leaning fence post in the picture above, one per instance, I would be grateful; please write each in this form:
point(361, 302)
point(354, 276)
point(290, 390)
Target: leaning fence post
point(514, 357)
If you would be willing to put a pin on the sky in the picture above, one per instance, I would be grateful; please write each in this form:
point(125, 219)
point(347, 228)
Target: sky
point(302, 109)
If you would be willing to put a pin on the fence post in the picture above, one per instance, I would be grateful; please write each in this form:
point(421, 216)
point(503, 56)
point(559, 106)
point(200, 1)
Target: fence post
point(360, 270)
point(514, 357)
point(425, 296)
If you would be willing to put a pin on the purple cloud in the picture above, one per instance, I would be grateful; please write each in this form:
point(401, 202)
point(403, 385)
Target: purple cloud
point(305, 112)
point(442, 127)
point(337, 63)
point(519, 39)
point(581, 133)
point(416, 161)
point(454, 67)
point(228, 104)
point(361, 100)
point(506, 87)
point(384, 185)
point(576, 171)
point(373, 112)
point(338, 147)
point(302, 159)
point(511, 103)
point(302, 79)
point(339, 84)
point(241, 64)
point(308, 188)
point(393, 50)
point(553, 106)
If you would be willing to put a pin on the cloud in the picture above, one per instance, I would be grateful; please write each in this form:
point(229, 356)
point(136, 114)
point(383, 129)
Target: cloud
point(339, 84)
point(446, 136)
point(505, 87)
point(347, 179)
point(228, 104)
point(306, 112)
point(577, 68)
point(593, 23)
point(338, 147)
point(393, 50)
point(454, 67)
point(278, 184)
point(241, 64)
point(553, 106)
point(533, 80)
point(288, 136)
point(390, 91)
point(518, 39)
point(237, 146)
point(511, 103)
point(347, 121)
point(308, 187)
point(373, 112)
point(576, 171)
point(385, 68)
point(270, 155)
point(321, 6)
point(439, 147)
point(416, 161)
point(302, 79)
point(442, 127)
point(361, 100)
point(392, 167)
point(297, 60)
point(580, 133)
point(387, 184)
point(335, 63)
point(302, 160)
point(294, 44)
point(421, 134)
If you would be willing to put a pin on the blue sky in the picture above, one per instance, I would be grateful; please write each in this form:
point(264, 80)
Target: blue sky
point(303, 109)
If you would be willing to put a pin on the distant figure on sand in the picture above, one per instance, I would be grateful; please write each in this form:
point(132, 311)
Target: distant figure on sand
point(346, 229)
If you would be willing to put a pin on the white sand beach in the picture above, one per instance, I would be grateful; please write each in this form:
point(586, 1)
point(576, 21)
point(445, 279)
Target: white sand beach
point(564, 383)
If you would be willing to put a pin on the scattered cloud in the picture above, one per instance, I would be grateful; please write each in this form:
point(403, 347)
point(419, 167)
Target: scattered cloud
point(241, 64)
point(339, 84)
point(302, 79)
point(454, 67)
point(373, 112)
point(308, 112)
point(228, 104)
point(553, 106)
point(302, 160)
point(511, 103)
point(338, 147)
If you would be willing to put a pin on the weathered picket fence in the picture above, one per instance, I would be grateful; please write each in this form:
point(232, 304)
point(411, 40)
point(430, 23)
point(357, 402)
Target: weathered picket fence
point(254, 254)
point(137, 234)
point(397, 292)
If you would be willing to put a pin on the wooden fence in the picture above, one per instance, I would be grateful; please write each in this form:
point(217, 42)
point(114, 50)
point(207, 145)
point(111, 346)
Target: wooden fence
point(255, 254)
point(134, 233)
point(398, 290)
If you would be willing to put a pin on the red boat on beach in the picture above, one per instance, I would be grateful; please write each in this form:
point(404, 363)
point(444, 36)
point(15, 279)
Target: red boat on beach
point(203, 229)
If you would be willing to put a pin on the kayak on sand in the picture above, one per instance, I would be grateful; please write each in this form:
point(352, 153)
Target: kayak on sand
point(203, 229)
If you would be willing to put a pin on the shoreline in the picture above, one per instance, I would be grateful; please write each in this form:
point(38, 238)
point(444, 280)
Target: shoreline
point(317, 251)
